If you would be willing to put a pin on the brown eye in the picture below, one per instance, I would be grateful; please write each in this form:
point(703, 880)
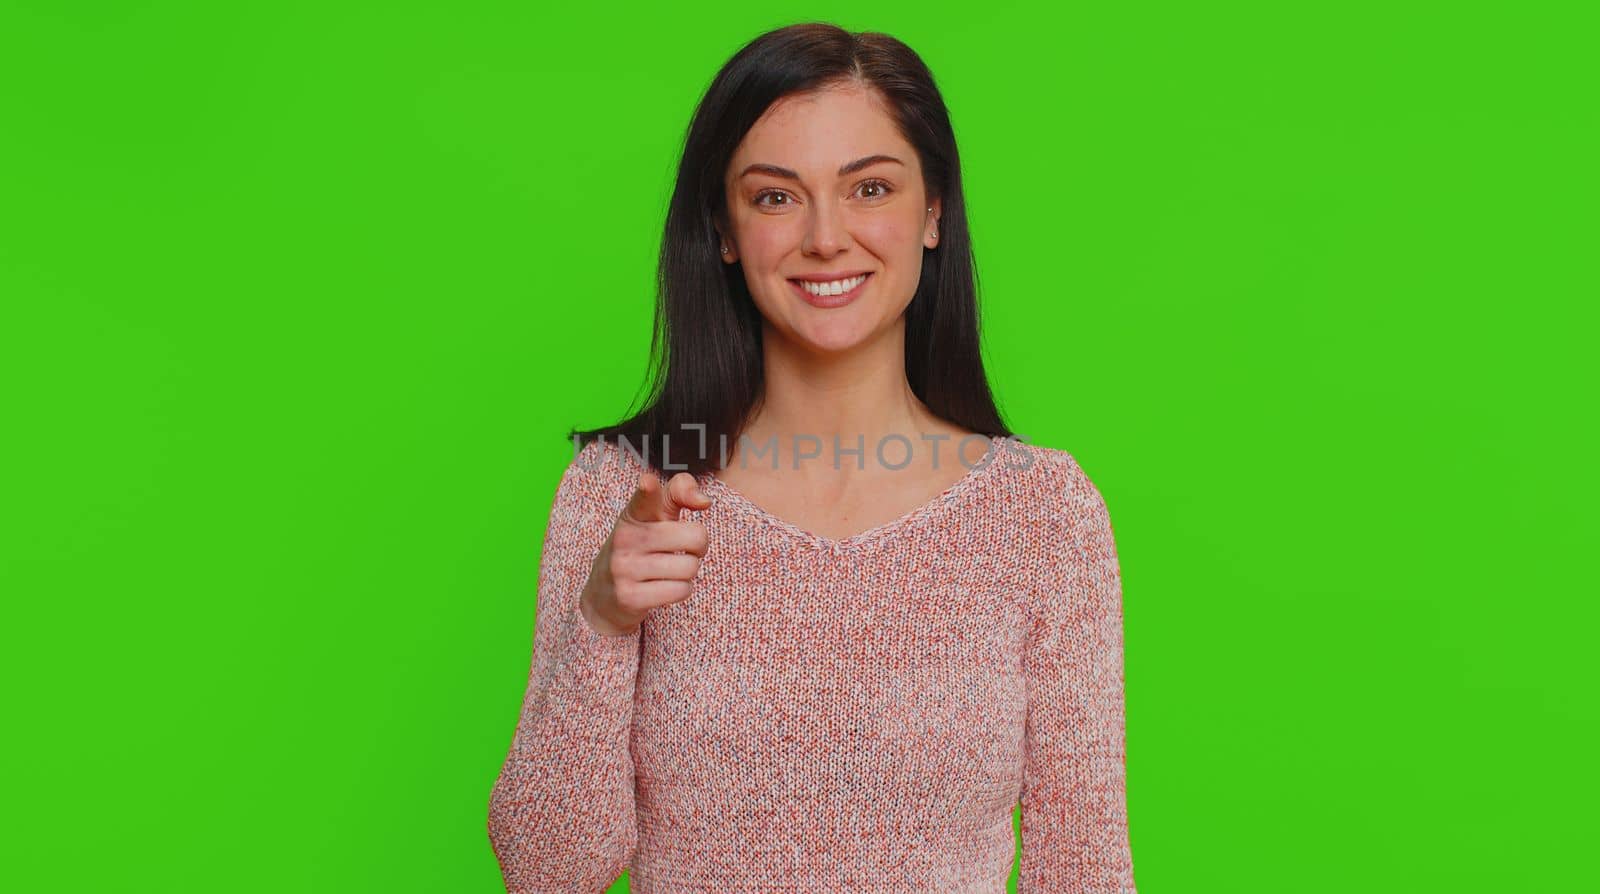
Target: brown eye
point(882, 188)
point(771, 192)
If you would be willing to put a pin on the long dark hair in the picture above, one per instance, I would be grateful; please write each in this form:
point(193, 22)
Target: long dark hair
point(706, 355)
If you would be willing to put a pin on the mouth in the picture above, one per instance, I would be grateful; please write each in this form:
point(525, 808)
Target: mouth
point(831, 294)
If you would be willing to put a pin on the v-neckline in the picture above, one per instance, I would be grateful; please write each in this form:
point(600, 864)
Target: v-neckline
point(876, 532)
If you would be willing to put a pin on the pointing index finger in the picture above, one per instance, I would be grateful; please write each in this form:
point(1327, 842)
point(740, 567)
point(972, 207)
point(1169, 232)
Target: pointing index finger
point(652, 501)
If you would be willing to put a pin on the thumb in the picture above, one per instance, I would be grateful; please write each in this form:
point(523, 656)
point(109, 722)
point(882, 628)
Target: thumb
point(685, 490)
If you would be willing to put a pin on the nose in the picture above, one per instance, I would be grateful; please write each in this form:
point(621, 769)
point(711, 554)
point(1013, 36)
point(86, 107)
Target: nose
point(826, 233)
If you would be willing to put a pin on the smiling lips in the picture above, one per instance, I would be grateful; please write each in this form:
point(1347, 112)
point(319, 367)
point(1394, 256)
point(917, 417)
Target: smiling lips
point(832, 293)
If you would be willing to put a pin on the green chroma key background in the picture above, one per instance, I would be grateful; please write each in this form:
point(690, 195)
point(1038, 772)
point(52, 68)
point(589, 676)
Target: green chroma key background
point(300, 298)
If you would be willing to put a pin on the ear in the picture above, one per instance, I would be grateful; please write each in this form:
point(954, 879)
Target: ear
point(732, 254)
point(930, 230)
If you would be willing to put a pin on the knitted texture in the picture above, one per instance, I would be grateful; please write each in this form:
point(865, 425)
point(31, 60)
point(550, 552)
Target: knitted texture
point(859, 715)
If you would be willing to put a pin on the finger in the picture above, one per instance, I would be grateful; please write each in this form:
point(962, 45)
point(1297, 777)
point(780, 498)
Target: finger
point(661, 566)
point(646, 503)
point(653, 502)
point(681, 491)
point(677, 536)
point(687, 493)
point(656, 593)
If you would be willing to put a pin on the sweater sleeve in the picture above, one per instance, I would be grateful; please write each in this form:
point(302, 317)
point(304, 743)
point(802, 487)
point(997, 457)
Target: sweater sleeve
point(561, 812)
point(1074, 801)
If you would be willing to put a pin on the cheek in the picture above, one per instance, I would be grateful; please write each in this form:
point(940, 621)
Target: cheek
point(760, 244)
point(893, 239)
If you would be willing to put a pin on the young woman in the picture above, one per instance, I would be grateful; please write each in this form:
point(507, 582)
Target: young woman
point(814, 619)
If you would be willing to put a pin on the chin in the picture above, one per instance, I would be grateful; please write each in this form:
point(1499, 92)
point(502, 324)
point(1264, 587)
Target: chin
point(833, 336)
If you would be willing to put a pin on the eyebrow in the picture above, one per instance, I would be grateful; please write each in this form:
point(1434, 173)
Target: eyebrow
point(850, 168)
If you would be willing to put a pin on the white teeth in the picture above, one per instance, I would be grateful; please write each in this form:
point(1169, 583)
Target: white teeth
point(837, 287)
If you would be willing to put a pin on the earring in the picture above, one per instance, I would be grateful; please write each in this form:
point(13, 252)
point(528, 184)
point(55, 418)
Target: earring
point(724, 249)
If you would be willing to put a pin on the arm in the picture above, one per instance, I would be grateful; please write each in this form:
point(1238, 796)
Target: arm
point(1074, 801)
point(561, 813)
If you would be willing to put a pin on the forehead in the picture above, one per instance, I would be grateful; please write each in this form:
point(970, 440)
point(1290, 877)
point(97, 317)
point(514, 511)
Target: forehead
point(816, 132)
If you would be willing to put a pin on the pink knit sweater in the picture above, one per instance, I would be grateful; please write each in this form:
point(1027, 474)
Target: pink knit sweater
point(857, 715)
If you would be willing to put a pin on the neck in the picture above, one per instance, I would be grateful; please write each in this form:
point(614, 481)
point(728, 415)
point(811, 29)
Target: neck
point(858, 397)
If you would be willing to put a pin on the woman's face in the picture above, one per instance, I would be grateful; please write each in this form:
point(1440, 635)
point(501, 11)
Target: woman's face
point(823, 186)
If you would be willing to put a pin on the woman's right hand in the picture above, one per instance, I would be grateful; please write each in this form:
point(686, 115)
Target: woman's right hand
point(649, 559)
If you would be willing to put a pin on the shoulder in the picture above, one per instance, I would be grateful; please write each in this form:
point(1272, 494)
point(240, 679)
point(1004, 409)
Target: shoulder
point(1048, 482)
point(1061, 522)
point(601, 473)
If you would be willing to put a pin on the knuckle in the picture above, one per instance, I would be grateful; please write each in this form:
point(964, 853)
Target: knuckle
point(629, 536)
point(624, 565)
